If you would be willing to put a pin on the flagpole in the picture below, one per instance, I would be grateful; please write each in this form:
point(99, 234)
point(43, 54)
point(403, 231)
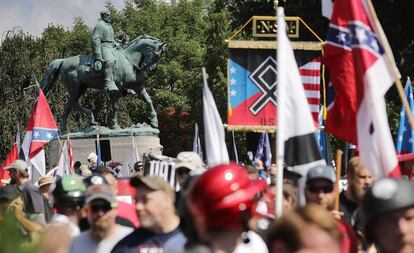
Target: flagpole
point(391, 62)
point(98, 145)
point(133, 147)
point(70, 154)
point(280, 148)
point(338, 176)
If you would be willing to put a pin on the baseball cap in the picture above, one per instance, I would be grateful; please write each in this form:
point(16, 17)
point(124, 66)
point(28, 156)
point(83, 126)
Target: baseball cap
point(321, 172)
point(387, 195)
point(44, 180)
point(189, 160)
point(101, 191)
point(9, 192)
point(155, 183)
point(18, 164)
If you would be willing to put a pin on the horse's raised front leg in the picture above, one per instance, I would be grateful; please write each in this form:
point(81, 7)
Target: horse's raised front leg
point(115, 108)
point(147, 98)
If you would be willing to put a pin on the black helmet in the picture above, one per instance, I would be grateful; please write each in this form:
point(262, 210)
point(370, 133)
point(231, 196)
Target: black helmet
point(69, 192)
point(385, 196)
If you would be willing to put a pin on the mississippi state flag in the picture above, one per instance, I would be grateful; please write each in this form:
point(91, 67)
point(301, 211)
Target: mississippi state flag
point(361, 76)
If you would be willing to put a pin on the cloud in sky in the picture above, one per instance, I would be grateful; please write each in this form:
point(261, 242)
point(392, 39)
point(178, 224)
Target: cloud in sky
point(32, 16)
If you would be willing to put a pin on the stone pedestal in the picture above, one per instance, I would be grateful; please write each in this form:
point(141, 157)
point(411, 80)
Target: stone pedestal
point(121, 143)
point(121, 147)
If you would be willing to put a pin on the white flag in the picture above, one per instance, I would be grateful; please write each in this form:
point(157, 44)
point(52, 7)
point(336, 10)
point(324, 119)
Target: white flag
point(63, 167)
point(216, 148)
point(128, 167)
point(37, 164)
point(327, 8)
point(296, 143)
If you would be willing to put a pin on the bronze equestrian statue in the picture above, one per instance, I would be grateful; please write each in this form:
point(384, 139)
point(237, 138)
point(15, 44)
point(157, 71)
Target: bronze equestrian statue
point(103, 44)
point(78, 74)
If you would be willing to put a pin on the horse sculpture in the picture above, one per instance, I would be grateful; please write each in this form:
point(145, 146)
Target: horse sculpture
point(77, 74)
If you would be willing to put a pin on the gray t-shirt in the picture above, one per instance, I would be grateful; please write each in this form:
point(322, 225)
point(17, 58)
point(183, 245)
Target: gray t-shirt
point(85, 243)
point(33, 199)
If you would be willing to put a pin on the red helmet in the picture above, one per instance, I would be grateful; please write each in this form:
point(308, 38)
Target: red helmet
point(220, 195)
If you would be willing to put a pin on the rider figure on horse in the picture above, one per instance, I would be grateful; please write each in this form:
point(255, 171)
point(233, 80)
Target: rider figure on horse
point(103, 45)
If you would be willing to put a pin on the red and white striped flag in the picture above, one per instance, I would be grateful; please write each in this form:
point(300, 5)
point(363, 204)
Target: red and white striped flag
point(310, 74)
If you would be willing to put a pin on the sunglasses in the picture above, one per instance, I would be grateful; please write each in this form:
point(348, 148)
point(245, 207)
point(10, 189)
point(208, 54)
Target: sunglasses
point(100, 206)
point(318, 189)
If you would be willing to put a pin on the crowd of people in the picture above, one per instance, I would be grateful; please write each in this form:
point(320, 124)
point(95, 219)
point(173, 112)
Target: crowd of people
point(225, 208)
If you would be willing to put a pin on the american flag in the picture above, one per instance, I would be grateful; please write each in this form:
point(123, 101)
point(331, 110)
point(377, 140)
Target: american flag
point(311, 76)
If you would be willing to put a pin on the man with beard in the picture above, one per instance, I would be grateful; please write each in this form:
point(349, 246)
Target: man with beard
point(159, 222)
point(359, 181)
point(34, 206)
point(104, 233)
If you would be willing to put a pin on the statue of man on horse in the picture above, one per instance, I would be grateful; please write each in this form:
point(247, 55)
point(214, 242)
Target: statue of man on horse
point(103, 45)
point(123, 70)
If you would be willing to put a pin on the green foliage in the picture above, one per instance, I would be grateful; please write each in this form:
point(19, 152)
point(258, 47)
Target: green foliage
point(16, 55)
point(12, 236)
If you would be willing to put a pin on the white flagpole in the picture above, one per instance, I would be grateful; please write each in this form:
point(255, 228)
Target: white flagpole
point(280, 139)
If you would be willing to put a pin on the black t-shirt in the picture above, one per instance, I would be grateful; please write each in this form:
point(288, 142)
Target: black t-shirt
point(348, 207)
point(143, 240)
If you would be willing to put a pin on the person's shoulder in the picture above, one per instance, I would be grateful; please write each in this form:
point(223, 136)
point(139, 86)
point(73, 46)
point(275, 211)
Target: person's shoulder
point(133, 239)
point(175, 243)
point(80, 241)
point(124, 230)
point(29, 186)
point(175, 232)
point(82, 236)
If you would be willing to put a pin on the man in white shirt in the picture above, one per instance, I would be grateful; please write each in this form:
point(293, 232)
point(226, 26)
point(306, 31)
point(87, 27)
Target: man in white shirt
point(104, 233)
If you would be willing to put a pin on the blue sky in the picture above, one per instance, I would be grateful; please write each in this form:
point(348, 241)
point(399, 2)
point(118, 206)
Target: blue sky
point(32, 16)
